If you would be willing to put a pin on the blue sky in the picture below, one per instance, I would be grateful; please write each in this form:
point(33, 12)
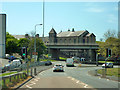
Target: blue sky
point(96, 17)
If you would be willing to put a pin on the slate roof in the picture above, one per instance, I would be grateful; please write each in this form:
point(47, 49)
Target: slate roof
point(70, 33)
point(52, 31)
point(18, 36)
point(90, 34)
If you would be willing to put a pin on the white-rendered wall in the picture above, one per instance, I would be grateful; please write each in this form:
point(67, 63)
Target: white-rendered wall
point(2, 34)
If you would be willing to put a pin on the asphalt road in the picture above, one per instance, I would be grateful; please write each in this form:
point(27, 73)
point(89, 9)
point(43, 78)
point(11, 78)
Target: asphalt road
point(73, 77)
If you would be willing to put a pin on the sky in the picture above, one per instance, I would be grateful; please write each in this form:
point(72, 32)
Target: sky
point(96, 17)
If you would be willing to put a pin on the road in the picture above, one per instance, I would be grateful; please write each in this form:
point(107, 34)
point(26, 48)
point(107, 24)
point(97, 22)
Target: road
point(73, 77)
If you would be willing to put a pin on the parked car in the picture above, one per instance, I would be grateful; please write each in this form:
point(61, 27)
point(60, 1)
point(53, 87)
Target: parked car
point(2, 70)
point(11, 58)
point(58, 67)
point(7, 56)
point(7, 67)
point(48, 63)
point(16, 63)
point(69, 62)
point(108, 65)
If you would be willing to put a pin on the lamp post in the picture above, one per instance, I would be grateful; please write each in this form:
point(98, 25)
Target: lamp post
point(35, 40)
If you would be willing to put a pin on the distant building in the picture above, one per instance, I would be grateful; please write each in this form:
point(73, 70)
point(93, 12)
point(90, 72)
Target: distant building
point(72, 37)
point(72, 43)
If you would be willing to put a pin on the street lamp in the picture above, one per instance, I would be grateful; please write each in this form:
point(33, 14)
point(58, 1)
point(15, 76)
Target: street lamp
point(35, 39)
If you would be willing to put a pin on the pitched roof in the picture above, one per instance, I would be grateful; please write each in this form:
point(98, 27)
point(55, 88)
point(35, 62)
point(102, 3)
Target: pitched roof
point(52, 31)
point(90, 34)
point(18, 36)
point(70, 33)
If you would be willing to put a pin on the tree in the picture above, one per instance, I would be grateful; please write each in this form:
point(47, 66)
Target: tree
point(11, 46)
point(40, 47)
point(109, 33)
point(23, 42)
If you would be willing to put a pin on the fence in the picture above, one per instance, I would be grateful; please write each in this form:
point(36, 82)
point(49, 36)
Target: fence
point(24, 71)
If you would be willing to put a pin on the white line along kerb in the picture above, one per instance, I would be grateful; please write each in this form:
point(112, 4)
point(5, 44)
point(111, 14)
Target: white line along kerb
point(85, 86)
point(68, 77)
point(77, 82)
point(73, 79)
point(28, 86)
point(35, 79)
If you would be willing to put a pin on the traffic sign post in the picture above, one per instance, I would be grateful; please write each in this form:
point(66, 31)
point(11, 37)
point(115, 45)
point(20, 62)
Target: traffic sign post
point(35, 55)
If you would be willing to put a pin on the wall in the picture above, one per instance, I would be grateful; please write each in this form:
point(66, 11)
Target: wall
point(2, 34)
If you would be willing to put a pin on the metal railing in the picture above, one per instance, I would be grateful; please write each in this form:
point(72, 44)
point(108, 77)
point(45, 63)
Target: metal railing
point(71, 44)
point(24, 70)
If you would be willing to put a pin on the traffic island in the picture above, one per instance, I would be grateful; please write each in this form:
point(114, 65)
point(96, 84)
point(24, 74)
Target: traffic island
point(110, 73)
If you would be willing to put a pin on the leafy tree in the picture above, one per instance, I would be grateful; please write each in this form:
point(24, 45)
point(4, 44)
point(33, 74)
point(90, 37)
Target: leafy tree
point(23, 42)
point(112, 43)
point(40, 47)
point(11, 46)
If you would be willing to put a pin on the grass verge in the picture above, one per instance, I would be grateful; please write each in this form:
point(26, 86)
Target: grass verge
point(111, 72)
point(104, 61)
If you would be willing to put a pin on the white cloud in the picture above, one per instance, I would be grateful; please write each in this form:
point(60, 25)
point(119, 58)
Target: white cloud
point(96, 10)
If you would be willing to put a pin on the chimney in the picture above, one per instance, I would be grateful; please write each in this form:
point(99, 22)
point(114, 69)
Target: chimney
point(26, 35)
point(73, 30)
point(37, 35)
point(68, 29)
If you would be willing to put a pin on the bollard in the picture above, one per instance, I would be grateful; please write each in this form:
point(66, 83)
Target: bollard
point(18, 77)
point(96, 72)
point(31, 71)
point(35, 71)
point(27, 71)
point(103, 73)
point(21, 75)
point(10, 79)
point(4, 81)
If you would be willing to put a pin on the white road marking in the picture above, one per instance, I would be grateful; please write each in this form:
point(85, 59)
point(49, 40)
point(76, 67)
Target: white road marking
point(85, 86)
point(28, 86)
point(107, 79)
point(35, 79)
point(68, 77)
point(73, 79)
point(77, 82)
point(33, 83)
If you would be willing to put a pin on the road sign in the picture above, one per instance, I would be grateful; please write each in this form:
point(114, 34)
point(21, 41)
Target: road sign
point(35, 56)
point(35, 53)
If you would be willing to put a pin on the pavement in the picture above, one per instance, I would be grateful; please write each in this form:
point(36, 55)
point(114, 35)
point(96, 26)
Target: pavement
point(3, 62)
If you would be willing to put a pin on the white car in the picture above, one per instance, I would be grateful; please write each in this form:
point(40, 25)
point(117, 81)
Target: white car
point(58, 67)
point(108, 65)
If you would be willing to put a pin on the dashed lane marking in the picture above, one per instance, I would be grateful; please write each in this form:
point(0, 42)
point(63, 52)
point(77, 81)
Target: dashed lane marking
point(35, 79)
point(28, 86)
point(73, 79)
point(77, 82)
point(69, 77)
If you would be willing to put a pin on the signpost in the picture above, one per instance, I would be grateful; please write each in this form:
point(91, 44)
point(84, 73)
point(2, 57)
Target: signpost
point(35, 55)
